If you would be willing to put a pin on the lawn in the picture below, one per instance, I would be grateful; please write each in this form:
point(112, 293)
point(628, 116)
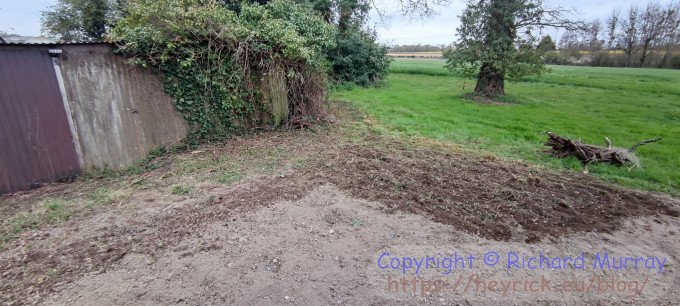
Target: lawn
point(626, 105)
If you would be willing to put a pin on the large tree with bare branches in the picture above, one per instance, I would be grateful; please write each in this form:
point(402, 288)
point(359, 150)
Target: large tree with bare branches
point(630, 33)
point(612, 23)
point(651, 27)
point(497, 41)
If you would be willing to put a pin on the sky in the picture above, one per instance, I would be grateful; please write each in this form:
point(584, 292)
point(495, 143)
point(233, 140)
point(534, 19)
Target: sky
point(441, 29)
point(23, 17)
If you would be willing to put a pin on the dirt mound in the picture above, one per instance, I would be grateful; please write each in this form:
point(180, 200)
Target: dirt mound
point(494, 199)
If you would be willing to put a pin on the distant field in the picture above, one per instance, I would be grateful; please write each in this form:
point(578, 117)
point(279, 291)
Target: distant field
point(625, 104)
point(433, 54)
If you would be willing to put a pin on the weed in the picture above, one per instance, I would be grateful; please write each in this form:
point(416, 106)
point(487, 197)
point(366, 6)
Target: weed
point(135, 169)
point(103, 196)
point(399, 185)
point(230, 177)
point(179, 190)
point(158, 151)
point(53, 211)
point(300, 164)
point(97, 172)
point(489, 217)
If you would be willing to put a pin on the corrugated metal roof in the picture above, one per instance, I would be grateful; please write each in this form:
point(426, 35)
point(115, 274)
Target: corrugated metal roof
point(52, 43)
point(14, 40)
point(26, 39)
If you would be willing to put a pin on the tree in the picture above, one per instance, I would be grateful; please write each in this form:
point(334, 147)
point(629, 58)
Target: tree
point(629, 36)
point(651, 27)
point(612, 23)
point(494, 40)
point(546, 44)
point(569, 40)
point(4, 36)
point(358, 57)
point(592, 33)
point(670, 34)
point(79, 20)
point(236, 5)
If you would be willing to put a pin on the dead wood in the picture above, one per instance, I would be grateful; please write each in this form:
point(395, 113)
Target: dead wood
point(643, 143)
point(565, 147)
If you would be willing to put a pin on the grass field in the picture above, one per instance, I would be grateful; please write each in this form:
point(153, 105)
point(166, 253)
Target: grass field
point(626, 105)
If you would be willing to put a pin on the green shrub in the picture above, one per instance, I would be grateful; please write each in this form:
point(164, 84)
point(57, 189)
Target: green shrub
point(359, 58)
point(215, 61)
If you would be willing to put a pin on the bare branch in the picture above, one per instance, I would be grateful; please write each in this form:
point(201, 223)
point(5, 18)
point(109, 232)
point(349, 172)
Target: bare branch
point(643, 143)
point(384, 17)
point(420, 7)
point(553, 18)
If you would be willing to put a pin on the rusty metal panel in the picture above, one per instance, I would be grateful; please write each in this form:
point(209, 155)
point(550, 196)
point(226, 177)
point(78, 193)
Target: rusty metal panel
point(36, 144)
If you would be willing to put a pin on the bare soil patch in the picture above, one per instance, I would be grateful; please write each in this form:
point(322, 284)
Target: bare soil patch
point(173, 232)
point(493, 199)
point(312, 251)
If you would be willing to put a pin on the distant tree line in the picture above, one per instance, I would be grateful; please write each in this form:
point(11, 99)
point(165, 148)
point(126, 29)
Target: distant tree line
point(419, 48)
point(646, 36)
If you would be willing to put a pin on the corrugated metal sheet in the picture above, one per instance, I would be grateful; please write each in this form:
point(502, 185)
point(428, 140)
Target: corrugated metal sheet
point(52, 43)
point(36, 144)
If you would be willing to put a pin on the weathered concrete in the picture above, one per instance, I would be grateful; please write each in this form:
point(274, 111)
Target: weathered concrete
point(120, 112)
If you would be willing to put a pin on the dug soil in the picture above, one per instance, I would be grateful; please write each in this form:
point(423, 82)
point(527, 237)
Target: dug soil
point(309, 226)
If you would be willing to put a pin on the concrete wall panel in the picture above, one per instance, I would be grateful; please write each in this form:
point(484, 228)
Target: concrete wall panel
point(120, 112)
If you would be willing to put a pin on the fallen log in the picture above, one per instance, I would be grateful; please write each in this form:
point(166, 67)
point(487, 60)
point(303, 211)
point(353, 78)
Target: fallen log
point(565, 147)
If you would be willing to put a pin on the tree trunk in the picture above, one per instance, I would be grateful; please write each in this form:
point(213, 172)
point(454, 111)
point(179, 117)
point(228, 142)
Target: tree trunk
point(645, 46)
point(501, 34)
point(343, 20)
point(490, 82)
point(664, 59)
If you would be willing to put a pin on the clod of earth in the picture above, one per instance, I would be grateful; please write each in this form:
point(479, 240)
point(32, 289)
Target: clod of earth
point(565, 147)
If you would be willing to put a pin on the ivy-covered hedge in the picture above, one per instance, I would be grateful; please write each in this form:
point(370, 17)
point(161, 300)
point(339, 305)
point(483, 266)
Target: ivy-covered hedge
point(215, 61)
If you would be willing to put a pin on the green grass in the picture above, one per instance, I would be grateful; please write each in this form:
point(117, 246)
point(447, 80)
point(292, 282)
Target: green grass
point(179, 190)
point(230, 177)
point(428, 66)
point(626, 105)
point(49, 211)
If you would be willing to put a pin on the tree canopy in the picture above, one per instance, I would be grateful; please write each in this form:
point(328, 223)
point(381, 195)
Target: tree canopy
point(80, 20)
point(546, 44)
point(497, 41)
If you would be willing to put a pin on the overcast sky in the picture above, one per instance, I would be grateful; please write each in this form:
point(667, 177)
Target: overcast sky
point(23, 17)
